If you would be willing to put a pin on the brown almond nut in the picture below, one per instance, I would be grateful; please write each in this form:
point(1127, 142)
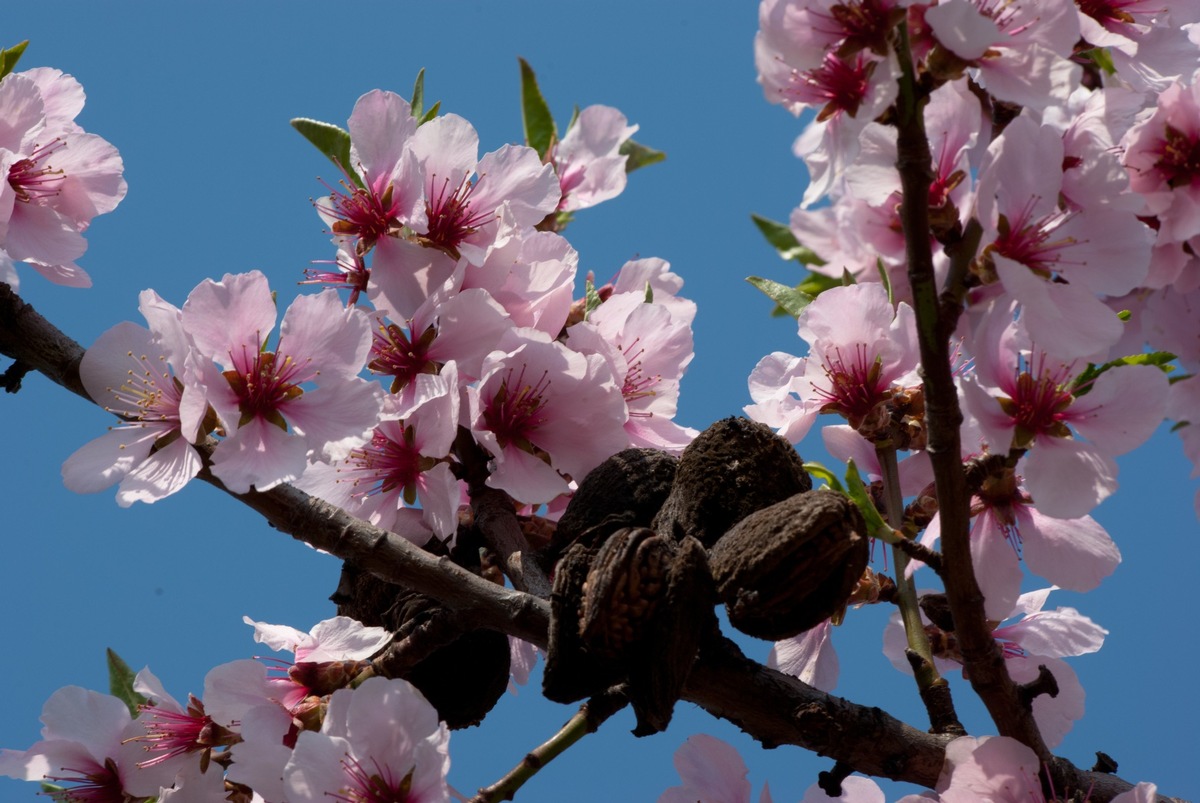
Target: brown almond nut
point(624, 585)
point(730, 470)
point(788, 567)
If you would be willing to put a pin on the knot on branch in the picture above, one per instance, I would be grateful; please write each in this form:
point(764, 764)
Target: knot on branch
point(1044, 683)
point(830, 781)
point(10, 380)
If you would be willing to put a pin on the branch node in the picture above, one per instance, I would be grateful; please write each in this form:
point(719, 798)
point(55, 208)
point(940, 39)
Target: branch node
point(830, 781)
point(1044, 683)
point(10, 380)
point(1104, 763)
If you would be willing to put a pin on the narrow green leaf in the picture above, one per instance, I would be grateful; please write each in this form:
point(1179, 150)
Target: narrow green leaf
point(418, 96)
point(788, 299)
point(10, 56)
point(1083, 383)
point(591, 298)
point(820, 472)
point(330, 140)
point(429, 115)
point(1102, 59)
point(783, 241)
point(51, 788)
point(120, 683)
point(816, 283)
point(1180, 425)
point(857, 491)
point(1124, 315)
point(639, 155)
point(535, 114)
point(574, 118)
point(649, 293)
point(883, 277)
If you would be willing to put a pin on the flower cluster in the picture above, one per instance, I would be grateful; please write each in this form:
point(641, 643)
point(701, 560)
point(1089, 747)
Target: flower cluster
point(263, 737)
point(471, 326)
point(1062, 219)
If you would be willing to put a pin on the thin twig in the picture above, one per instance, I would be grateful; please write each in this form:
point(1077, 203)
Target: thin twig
point(588, 719)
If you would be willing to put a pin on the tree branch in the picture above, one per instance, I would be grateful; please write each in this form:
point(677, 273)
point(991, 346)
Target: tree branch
point(772, 707)
point(981, 655)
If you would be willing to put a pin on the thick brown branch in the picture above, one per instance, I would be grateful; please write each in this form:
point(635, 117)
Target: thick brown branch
point(772, 707)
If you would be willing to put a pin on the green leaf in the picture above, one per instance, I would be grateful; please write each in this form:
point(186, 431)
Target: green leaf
point(788, 299)
point(51, 788)
point(820, 472)
point(649, 293)
point(1102, 59)
point(120, 683)
point(1083, 383)
point(540, 132)
point(429, 115)
point(1124, 315)
point(816, 283)
point(782, 239)
point(639, 155)
point(591, 298)
point(883, 277)
point(10, 56)
point(857, 491)
point(330, 140)
point(418, 96)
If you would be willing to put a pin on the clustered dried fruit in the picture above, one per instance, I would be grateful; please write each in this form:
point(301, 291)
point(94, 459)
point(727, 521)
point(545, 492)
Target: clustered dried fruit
point(633, 611)
point(790, 566)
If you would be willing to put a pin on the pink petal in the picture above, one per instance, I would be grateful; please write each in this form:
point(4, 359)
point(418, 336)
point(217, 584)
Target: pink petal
point(1075, 554)
point(1067, 478)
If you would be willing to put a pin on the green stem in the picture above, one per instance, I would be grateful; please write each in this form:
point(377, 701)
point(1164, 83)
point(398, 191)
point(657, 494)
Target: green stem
point(587, 719)
point(933, 688)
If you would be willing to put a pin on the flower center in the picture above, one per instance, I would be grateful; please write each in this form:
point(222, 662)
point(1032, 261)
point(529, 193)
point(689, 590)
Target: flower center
point(367, 214)
point(1029, 241)
point(637, 384)
point(150, 394)
point(395, 353)
point(380, 786)
point(1038, 405)
point(100, 784)
point(1179, 158)
point(33, 180)
point(516, 411)
point(352, 274)
point(263, 384)
point(855, 388)
point(1107, 12)
point(862, 25)
point(841, 84)
point(451, 219)
point(176, 733)
point(387, 464)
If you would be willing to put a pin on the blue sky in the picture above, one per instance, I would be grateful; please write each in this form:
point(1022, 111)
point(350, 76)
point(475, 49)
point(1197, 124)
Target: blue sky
point(197, 98)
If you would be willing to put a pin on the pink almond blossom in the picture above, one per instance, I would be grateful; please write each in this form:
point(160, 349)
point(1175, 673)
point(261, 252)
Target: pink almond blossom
point(149, 378)
point(545, 413)
point(712, 771)
point(57, 178)
point(279, 406)
point(381, 741)
point(587, 159)
point(1026, 399)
